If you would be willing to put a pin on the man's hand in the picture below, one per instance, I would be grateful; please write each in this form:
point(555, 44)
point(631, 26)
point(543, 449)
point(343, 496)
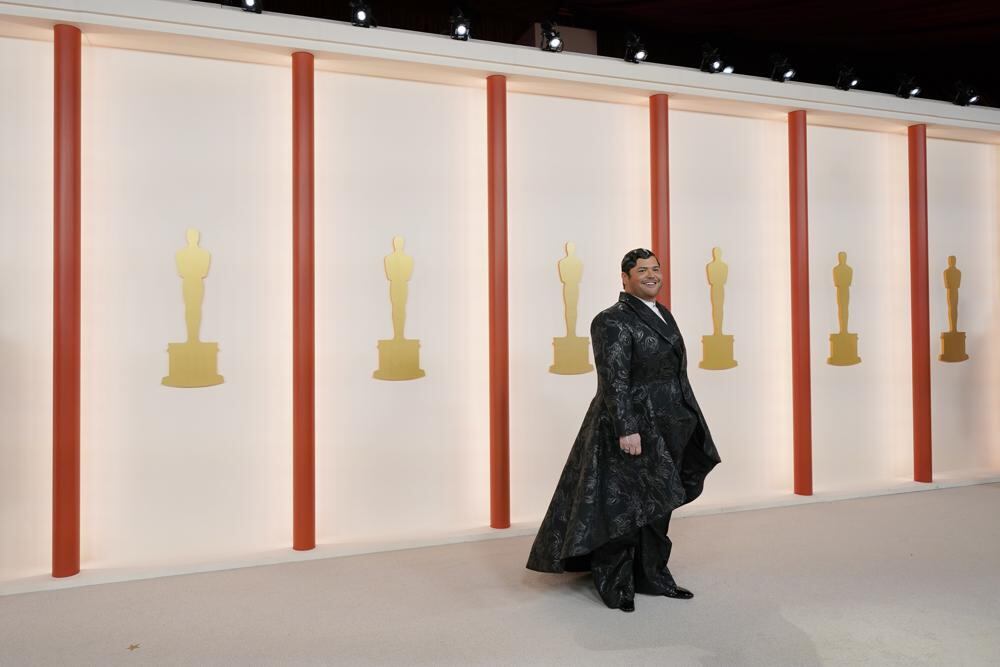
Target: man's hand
point(630, 444)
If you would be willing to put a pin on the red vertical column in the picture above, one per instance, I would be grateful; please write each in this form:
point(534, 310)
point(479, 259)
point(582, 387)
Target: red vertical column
point(659, 187)
point(303, 308)
point(66, 307)
point(496, 133)
point(919, 305)
point(799, 232)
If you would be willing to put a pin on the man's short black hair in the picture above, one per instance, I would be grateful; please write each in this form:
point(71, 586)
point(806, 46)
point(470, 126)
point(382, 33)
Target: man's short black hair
point(632, 258)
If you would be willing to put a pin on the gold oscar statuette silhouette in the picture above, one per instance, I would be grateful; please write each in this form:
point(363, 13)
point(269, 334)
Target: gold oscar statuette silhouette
point(717, 349)
point(843, 345)
point(571, 351)
point(398, 358)
point(193, 363)
point(952, 340)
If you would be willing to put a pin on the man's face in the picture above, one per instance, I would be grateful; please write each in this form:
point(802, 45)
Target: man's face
point(644, 280)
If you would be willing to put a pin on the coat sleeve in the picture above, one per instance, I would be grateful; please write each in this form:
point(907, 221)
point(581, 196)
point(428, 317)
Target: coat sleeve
point(613, 358)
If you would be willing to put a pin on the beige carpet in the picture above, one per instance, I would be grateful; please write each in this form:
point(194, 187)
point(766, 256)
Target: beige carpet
point(909, 579)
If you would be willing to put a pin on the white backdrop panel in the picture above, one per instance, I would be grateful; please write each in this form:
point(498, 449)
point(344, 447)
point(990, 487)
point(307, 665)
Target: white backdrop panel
point(25, 307)
point(858, 204)
point(729, 189)
point(400, 158)
point(173, 142)
point(963, 220)
point(579, 171)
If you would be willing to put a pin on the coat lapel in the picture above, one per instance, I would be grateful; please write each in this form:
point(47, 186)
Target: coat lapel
point(677, 339)
point(650, 319)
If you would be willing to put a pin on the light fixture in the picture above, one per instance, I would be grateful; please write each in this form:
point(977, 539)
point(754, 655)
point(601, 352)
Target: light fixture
point(965, 95)
point(712, 62)
point(461, 27)
point(907, 87)
point(551, 41)
point(846, 79)
point(361, 14)
point(255, 6)
point(781, 70)
point(635, 50)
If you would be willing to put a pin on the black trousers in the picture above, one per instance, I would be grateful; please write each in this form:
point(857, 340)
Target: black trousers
point(635, 563)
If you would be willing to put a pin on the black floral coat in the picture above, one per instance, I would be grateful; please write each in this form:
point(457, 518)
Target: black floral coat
point(642, 387)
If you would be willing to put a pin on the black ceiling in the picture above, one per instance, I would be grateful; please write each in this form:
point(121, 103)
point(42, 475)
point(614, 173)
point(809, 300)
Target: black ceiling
point(940, 42)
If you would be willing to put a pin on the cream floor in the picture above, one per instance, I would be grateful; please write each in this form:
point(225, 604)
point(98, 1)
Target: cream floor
point(908, 579)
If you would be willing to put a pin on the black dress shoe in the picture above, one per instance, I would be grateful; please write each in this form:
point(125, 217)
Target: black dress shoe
point(627, 606)
point(679, 593)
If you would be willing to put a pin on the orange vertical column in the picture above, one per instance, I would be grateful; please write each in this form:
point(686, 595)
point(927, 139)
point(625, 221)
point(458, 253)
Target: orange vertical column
point(66, 307)
point(496, 133)
point(799, 232)
point(303, 307)
point(659, 187)
point(919, 305)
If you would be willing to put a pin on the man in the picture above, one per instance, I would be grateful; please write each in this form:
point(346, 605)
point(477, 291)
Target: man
point(643, 450)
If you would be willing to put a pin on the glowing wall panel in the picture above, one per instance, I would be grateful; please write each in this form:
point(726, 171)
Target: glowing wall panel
point(964, 220)
point(579, 171)
point(729, 188)
point(169, 143)
point(858, 204)
point(400, 158)
point(25, 307)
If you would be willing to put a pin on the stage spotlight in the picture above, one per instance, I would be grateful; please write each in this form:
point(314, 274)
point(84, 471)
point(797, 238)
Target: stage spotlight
point(361, 14)
point(712, 62)
point(846, 79)
point(965, 95)
point(907, 87)
point(461, 27)
point(635, 51)
point(551, 41)
point(255, 6)
point(781, 70)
